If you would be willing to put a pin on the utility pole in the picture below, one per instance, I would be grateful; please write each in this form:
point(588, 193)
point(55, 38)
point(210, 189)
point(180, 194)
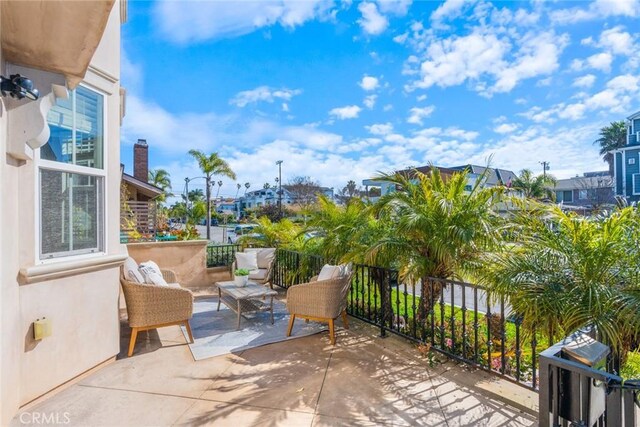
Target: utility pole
point(545, 168)
point(279, 163)
point(186, 201)
point(208, 179)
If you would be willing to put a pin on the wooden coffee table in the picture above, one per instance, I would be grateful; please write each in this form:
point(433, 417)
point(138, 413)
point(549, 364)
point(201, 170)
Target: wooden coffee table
point(246, 299)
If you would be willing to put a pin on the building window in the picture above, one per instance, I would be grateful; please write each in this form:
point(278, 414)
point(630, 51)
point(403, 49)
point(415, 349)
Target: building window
point(636, 183)
point(567, 196)
point(583, 194)
point(71, 177)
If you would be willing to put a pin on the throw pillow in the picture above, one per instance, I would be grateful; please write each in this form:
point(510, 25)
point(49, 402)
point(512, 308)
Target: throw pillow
point(329, 272)
point(247, 260)
point(265, 257)
point(152, 274)
point(130, 271)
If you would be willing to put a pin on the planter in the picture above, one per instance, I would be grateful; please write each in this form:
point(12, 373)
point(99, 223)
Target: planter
point(241, 281)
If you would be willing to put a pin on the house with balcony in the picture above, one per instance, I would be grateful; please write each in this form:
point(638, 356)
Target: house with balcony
point(60, 169)
point(589, 192)
point(626, 162)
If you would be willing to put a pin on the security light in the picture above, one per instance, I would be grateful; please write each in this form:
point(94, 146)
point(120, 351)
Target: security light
point(18, 87)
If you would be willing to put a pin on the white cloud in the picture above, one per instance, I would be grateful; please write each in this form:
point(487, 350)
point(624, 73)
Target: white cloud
point(387, 107)
point(505, 128)
point(616, 98)
point(264, 94)
point(370, 101)
point(369, 83)
point(347, 112)
point(598, 9)
point(585, 81)
point(416, 114)
point(372, 22)
point(600, 61)
point(617, 41)
point(183, 22)
point(380, 128)
point(285, 107)
point(449, 9)
point(395, 7)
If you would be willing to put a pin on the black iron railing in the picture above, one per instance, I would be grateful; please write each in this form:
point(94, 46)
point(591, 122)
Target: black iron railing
point(458, 319)
point(221, 255)
point(572, 393)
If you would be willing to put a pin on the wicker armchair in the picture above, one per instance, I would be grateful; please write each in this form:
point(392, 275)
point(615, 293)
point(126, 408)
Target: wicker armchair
point(320, 301)
point(153, 306)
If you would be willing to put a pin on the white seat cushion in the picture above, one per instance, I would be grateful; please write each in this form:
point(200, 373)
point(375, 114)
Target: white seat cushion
point(265, 257)
point(259, 274)
point(247, 260)
point(130, 271)
point(152, 274)
point(329, 272)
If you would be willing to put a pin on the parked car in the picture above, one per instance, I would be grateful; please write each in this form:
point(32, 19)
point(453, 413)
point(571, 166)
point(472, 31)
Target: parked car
point(214, 222)
point(239, 231)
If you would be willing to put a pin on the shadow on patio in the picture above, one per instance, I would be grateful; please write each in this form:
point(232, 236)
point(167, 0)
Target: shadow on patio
point(363, 380)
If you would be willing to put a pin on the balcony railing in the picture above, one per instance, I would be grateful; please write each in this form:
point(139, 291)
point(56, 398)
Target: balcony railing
point(221, 255)
point(458, 319)
point(572, 393)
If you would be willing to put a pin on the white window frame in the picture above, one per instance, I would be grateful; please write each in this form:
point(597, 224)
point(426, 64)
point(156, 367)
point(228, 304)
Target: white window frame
point(43, 164)
point(635, 190)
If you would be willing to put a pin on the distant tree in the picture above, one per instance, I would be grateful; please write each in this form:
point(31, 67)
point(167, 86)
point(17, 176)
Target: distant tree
point(271, 211)
point(266, 186)
point(195, 195)
point(348, 192)
point(611, 138)
point(161, 179)
point(246, 187)
point(535, 186)
point(211, 165)
point(303, 190)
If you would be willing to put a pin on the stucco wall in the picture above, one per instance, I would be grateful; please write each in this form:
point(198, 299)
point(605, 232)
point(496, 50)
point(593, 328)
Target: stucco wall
point(188, 259)
point(83, 306)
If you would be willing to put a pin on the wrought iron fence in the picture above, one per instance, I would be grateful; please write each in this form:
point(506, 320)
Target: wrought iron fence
point(221, 255)
point(572, 393)
point(460, 320)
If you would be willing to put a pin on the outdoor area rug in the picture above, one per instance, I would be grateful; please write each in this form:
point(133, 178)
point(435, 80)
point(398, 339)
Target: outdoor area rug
point(215, 332)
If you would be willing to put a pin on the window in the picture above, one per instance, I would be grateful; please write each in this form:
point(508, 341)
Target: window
point(583, 194)
point(71, 177)
point(636, 183)
point(567, 196)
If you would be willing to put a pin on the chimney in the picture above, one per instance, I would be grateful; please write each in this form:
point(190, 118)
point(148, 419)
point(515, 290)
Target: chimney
point(141, 160)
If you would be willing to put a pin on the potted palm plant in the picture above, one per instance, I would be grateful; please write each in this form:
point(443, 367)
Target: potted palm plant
point(241, 277)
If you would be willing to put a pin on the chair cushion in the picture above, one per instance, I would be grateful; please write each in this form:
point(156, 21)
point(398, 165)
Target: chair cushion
point(345, 269)
point(152, 274)
point(265, 256)
point(130, 271)
point(329, 272)
point(259, 274)
point(247, 260)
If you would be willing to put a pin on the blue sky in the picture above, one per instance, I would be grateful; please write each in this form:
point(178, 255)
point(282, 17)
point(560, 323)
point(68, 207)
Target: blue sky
point(341, 90)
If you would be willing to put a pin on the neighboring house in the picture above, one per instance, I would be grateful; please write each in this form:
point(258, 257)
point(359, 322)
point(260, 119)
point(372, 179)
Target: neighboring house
point(60, 181)
point(591, 191)
point(269, 196)
point(494, 177)
point(626, 164)
point(137, 186)
point(226, 206)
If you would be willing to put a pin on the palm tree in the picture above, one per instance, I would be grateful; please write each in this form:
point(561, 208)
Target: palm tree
point(534, 186)
point(611, 138)
point(211, 165)
point(246, 187)
point(238, 190)
point(438, 228)
point(562, 272)
point(161, 179)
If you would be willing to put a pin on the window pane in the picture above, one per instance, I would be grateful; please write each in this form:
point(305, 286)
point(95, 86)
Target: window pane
point(71, 213)
point(77, 130)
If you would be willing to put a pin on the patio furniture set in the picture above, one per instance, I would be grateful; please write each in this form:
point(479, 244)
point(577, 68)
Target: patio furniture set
point(155, 299)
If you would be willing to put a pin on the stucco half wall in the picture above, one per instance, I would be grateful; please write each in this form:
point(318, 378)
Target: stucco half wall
point(188, 259)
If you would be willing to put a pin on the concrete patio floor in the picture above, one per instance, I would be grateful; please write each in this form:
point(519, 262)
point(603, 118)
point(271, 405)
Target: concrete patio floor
point(362, 381)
